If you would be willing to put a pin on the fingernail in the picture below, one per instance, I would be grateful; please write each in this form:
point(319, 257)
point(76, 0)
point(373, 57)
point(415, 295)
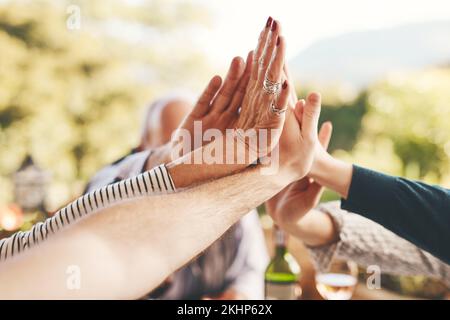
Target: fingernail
point(274, 26)
point(284, 84)
point(278, 41)
point(269, 22)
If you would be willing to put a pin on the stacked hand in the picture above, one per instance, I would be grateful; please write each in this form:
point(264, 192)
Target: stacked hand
point(290, 205)
point(241, 101)
point(257, 97)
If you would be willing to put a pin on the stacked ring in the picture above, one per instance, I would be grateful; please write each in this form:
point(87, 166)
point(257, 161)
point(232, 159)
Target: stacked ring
point(271, 87)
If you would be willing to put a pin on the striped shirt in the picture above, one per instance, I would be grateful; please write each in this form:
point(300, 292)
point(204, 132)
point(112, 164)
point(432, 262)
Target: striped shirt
point(152, 182)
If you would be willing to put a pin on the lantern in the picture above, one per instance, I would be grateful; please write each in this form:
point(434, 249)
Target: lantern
point(30, 184)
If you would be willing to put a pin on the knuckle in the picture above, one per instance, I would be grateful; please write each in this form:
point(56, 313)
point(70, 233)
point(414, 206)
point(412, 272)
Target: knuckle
point(272, 74)
point(261, 61)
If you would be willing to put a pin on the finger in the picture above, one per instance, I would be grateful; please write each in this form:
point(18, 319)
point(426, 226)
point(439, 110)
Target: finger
point(239, 93)
point(311, 114)
point(300, 185)
point(272, 45)
point(260, 47)
point(225, 94)
point(298, 111)
point(325, 134)
point(203, 103)
point(275, 68)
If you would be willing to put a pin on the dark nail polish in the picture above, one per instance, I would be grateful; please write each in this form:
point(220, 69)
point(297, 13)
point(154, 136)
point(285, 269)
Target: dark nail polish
point(274, 26)
point(284, 84)
point(278, 41)
point(269, 22)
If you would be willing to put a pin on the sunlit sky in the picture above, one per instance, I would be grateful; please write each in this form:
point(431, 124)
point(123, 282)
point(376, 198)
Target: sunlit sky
point(237, 23)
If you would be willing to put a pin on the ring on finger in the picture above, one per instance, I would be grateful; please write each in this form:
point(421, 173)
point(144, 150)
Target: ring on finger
point(275, 110)
point(270, 86)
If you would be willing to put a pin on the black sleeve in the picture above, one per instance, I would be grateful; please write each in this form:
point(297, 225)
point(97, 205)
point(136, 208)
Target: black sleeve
point(414, 210)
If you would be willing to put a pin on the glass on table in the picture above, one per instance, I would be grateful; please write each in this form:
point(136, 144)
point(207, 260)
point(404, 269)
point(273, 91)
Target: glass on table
point(339, 282)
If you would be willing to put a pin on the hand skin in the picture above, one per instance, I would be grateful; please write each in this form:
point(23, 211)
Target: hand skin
point(293, 208)
point(214, 109)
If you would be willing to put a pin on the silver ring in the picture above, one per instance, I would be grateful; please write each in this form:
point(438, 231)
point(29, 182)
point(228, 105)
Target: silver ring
point(271, 87)
point(275, 110)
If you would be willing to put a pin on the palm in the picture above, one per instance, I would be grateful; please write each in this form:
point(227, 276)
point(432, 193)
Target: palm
point(292, 203)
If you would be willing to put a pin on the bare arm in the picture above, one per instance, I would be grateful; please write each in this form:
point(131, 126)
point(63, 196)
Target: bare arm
point(115, 248)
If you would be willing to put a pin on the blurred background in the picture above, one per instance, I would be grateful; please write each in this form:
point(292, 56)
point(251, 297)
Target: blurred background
point(75, 77)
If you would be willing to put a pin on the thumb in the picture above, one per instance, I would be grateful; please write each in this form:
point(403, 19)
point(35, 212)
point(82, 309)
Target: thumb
point(311, 114)
point(325, 134)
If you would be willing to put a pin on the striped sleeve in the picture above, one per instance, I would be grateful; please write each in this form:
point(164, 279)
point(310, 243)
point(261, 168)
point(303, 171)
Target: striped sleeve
point(156, 181)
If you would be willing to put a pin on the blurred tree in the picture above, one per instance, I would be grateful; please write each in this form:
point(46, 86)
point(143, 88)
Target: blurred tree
point(413, 111)
point(73, 98)
point(400, 125)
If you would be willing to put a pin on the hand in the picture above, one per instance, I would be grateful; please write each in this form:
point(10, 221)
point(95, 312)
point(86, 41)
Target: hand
point(297, 199)
point(217, 107)
point(268, 61)
point(299, 141)
point(243, 89)
point(231, 153)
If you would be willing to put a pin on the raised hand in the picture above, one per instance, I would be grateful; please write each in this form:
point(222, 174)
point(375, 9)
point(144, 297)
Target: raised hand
point(217, 107)
point(242, 102)
point(297, 199)
point(263, 107)
point(299, 141)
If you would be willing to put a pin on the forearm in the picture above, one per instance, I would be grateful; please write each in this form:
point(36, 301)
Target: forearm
point(186, 171)
point(152, 182)
point(126, 250)
point(316, 228)
point(367, 243)
point(416, 211)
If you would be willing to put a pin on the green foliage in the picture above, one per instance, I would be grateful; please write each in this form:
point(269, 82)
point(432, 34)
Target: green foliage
point(400, 126)
point(74, 98)
point(414, 113)
point(347, 118)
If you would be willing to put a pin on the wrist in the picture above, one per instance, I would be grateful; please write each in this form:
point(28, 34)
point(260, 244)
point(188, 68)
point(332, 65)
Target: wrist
point(315, 229)
point(332, 173)
point(219, 158)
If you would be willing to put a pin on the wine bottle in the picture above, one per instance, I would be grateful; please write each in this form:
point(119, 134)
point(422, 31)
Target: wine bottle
point(283, 272)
